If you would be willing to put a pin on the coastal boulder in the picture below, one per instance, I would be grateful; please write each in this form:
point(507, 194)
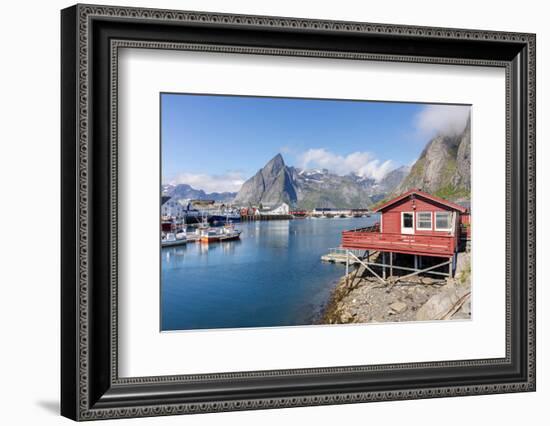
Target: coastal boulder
point(398, 307)
point(438, 305)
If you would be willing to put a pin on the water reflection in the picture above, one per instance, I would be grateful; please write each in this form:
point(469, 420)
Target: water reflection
point(272, 276)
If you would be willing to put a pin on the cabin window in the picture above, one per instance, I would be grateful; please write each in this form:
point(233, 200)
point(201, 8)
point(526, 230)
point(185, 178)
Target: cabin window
point(424, 220)
point(407, 223)
point(442, 221)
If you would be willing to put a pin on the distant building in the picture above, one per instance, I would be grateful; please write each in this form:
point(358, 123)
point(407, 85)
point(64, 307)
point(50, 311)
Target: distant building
point(281, 209)
point(172, 208)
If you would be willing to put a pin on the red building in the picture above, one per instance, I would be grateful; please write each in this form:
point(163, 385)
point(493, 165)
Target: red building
point(415, 223)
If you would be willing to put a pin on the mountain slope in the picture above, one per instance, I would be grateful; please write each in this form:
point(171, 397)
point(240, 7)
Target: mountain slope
point(184, 191)
point(307, 189)
point(389, 182)
point(273, 184)
point(443, 168)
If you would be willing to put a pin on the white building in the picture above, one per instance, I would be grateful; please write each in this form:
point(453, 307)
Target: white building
point(283, 208)
point(173, 208)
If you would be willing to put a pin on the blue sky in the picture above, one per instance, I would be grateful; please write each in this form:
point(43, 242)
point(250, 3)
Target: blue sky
point(216, 142)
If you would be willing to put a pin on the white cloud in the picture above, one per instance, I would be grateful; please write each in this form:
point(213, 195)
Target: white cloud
point(446, 119)
point(360, 163)
point(227, 182)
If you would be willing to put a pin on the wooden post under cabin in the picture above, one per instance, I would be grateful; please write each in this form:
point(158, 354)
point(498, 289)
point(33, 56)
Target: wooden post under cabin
point(396, 232)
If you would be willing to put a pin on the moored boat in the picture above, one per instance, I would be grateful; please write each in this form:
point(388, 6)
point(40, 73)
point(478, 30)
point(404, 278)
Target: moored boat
point(171, 239)
point(225, 233)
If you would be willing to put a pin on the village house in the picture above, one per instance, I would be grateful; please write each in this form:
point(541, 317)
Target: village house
point(414, 223)
point(172, 208)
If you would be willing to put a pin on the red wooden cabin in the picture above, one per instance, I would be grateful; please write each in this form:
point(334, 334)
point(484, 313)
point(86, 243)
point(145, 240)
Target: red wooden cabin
point(415, 223)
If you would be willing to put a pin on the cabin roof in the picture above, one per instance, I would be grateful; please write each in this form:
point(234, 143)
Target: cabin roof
point(426, 196)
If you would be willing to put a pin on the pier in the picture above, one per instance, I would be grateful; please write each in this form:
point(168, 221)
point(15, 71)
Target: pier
point(340, 255)
point(253, 217)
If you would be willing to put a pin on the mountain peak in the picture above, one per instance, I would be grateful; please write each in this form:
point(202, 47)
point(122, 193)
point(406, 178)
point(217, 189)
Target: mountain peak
point(274, 166)
point(277, 160)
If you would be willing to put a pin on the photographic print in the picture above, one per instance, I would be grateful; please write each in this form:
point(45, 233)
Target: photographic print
point(301, 212)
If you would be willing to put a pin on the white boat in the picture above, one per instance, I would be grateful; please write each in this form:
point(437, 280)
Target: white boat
point(193, 236)
point(224, 233)
point(171, 239)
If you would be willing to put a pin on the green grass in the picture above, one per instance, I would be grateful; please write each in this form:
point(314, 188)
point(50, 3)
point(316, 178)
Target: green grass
point(466, 273)
point(451, 193)
point(379, 203)
point(417, 170)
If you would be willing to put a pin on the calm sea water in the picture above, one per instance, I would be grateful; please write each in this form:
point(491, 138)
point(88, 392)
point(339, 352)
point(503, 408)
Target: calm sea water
point(272, 276)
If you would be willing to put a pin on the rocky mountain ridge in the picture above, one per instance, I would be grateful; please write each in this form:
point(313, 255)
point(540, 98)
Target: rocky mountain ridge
point(443, 168)
point(276, 183)
point(184, 191)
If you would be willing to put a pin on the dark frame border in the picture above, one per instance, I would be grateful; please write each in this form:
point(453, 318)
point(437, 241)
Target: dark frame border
point(91, 388)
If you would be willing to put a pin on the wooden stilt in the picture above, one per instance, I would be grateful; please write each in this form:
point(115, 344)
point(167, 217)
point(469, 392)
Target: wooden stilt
point(415, 261)
point(384, 267)
point(391, 264)
point(420, 271)
point(450, 267)
point(366, 266)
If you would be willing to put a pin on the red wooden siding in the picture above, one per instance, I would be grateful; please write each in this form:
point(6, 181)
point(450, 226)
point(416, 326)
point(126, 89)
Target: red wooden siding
point(426, 245)
point(391, 219)
point(391, 222)
point(389, 237)
point(465, 225)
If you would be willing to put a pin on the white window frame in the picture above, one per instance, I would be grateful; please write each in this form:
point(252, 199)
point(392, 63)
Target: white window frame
point(412, 229)
point(450, 214)
point(420, 228)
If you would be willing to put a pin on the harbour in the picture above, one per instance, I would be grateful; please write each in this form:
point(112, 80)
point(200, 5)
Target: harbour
point(271, 276)
point(301, 270)
point(317, 233)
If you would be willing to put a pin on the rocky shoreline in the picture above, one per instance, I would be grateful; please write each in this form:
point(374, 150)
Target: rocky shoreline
point(367, 300)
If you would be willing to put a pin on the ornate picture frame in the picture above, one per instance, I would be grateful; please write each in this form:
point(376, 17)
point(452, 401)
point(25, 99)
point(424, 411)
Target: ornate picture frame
point(91, 37)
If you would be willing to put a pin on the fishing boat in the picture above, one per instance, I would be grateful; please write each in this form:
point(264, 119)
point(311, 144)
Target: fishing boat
point(224, 233)
point(171, 239)
point(193, 235)
point(220, 218)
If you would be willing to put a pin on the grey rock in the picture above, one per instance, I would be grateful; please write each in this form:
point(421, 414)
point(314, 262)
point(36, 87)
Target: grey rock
point(398, 307)
point(276, 183)
point(437, 305)
point(184, 191)
point(393, 179)
point(443, 166)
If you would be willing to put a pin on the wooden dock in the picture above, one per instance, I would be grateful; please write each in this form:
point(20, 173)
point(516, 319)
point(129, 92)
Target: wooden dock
point(340, 255)
point(253, 217)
